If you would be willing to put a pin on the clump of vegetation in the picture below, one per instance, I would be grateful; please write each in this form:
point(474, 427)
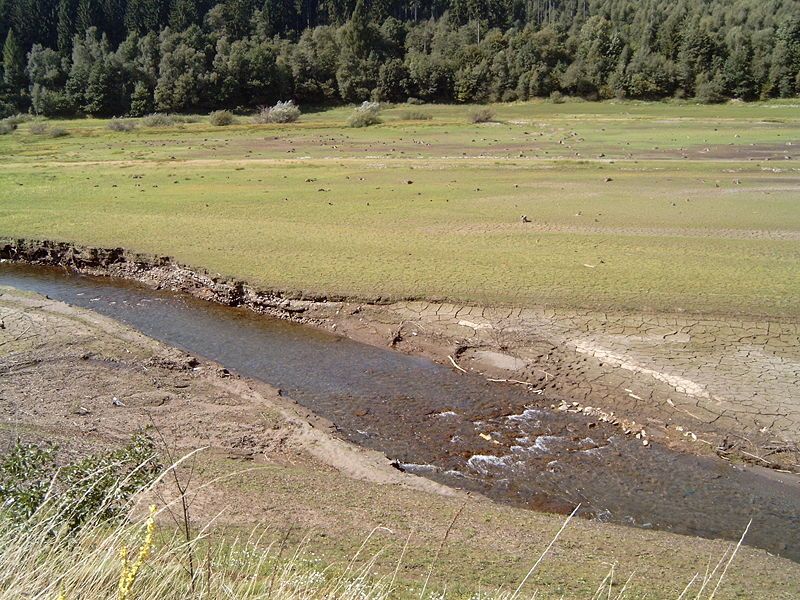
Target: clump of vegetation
point(18, 118)
point(166, 120)
point(556, 97)
point(116, 124)
point(6, 127)
point(45, 130)
point(415, 115)
point(415, 101)
point(282, 112)
point(368, 113)
point(481, 115)
point(159, 120)
point(221, 118)
point(100, 486)
point(39, 128)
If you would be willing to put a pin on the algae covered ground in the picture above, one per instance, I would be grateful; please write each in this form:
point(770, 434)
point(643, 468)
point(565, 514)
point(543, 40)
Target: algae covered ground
point(634, 206)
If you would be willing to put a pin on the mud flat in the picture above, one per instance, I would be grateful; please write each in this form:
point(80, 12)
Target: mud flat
point(61, 367)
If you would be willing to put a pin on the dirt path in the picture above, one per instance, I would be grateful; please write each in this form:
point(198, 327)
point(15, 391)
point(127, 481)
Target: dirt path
point(61, 369)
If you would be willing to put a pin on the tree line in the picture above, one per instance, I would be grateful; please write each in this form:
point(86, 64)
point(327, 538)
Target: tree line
point(133, 57)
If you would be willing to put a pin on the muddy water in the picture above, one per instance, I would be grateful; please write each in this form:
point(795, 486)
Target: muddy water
point(455, 428)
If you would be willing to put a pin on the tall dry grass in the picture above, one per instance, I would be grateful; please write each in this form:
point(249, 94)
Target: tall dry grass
point(42, 558)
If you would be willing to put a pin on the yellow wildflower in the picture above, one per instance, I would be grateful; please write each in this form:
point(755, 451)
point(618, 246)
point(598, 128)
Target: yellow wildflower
point(130, 570)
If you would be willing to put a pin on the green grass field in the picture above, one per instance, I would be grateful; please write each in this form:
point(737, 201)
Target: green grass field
point(633, 206)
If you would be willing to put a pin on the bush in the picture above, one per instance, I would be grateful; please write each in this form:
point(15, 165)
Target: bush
point(18, 118)
point(221, 118)
point(6, 109)
point(121, 125)
point(282, 112)
point(43, 129)
point(481, 115)
point(6, 127)
point(56, 132)
point(556, 97)
point(415, 115)
point(365, 115)
point(159, 120)
point(415, 101)
point(39, 128)
point(97, 487)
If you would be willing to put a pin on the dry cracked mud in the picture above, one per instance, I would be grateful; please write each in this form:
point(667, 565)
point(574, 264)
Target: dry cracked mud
point(723, 383)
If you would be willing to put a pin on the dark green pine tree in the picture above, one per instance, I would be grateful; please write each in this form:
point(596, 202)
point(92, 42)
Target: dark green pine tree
point(142, 16)
point(13, 65)
point(184, 13)
point(277, 17)
point(238, 17)
point(65, 27)
point(86, 15)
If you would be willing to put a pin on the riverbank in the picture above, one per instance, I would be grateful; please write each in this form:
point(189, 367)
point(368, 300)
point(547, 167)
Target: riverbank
point(708, 385)
point(62, 368)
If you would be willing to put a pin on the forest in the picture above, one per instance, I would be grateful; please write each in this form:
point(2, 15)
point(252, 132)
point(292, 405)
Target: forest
point(134, 57)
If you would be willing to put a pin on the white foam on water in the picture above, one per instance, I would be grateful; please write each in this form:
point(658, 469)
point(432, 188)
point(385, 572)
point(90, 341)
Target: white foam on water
point(419, 468)
point(527, 415)
point(543, 443)
point(484, 463)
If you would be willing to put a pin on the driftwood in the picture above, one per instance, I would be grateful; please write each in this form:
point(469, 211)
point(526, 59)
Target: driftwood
point(527, 384)
point(455, 364)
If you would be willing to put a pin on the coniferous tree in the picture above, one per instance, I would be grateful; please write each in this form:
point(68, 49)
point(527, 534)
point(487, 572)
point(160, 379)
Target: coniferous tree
point(66, 26)
point(13, 65)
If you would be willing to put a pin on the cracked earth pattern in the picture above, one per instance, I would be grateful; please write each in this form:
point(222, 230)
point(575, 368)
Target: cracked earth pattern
point(728, 375)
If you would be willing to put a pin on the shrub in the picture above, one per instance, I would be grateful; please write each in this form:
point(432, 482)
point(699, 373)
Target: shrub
point(415, 115)
point(481, 115)
point(56, 132)
point(39, 128)
point(6, 127)
point(25, 475)
point(98, 487)
point(556, 97)
point(221, 118)
point(6, 109)
point(18, 118)
point(121, 125)
point(282, 112)
point(415, 101)
point(159, 120)
point(365, 115)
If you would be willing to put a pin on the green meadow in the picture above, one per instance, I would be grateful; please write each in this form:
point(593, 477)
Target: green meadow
point(632, 206)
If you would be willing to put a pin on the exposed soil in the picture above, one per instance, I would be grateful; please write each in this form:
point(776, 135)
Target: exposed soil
point(709, 385)
point(62, 368)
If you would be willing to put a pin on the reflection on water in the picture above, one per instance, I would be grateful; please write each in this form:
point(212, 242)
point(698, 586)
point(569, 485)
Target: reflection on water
point(455, 428)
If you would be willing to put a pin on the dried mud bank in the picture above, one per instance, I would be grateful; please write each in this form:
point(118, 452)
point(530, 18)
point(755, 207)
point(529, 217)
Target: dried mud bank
point(270, 462)
point(709, 385)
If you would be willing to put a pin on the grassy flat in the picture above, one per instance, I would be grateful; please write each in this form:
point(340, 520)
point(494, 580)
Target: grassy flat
point(632, 205)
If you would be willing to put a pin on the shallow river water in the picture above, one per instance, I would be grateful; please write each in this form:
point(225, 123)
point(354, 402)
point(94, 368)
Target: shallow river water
point(457, 429)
